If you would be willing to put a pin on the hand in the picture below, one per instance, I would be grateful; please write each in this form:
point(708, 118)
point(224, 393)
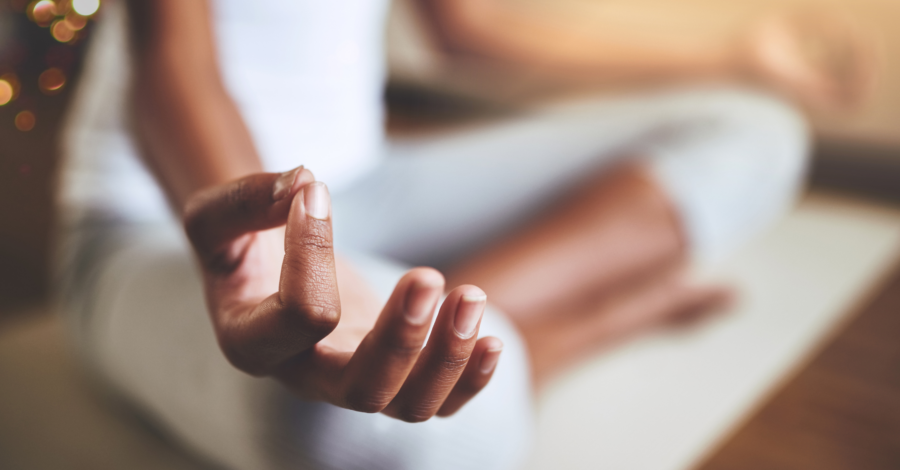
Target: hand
point(816, 57)
point(290, 326)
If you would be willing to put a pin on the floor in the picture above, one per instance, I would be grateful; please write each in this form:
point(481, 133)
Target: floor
point(840, 412)
point(52, 417)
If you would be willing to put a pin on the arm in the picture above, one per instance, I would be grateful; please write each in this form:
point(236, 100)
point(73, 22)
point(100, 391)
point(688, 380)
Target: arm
point(616, 41)
point(191, 132)
point(597, 40)
point(273, 296)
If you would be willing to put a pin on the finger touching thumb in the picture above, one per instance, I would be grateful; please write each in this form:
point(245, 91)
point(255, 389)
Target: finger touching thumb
point(308, 281)
point(306, 307)
point(217, 216)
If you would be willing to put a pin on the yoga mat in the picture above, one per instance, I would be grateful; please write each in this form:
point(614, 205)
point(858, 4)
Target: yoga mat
point(665, 401)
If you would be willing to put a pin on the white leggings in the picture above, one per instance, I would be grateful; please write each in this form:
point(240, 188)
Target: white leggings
point(731, 162)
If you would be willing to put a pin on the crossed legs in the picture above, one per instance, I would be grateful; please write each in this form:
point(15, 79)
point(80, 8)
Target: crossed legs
point(574, 269)
point(602, 265)
point(578, 220)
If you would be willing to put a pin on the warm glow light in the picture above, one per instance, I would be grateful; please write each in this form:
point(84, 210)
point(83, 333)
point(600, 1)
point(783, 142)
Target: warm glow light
point(13, 81)
point(51, 80)
point(61, 31)
point(25, 121)
point(6, 92)
point(75, 21)
point(43, 12)
point(86, 7)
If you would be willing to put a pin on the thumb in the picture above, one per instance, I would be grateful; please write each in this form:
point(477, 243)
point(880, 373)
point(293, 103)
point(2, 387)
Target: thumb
point(308, 280)
point(216, 217)
point(306, 307)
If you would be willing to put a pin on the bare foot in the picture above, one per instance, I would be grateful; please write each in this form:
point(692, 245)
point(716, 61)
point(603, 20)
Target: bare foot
point(557, 341)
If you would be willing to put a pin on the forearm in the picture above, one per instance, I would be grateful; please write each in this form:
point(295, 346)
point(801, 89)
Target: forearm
point(191, 133)
point(594, 42)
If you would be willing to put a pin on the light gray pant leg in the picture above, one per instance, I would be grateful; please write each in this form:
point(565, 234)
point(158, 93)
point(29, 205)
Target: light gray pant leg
point(150, 336)
point(731, 161)
point(732, 169)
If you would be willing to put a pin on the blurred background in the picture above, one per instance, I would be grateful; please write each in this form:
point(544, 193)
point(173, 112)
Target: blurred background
point(833, 401)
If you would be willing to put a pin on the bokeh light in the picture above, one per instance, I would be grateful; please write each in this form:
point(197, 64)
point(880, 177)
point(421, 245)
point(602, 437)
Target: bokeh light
point(43, 12)
point(75, 21)
point(61, 31)
point(6, 92)
point(86, 7)
point(13, 81)
point(51, 81)
point(25, 121)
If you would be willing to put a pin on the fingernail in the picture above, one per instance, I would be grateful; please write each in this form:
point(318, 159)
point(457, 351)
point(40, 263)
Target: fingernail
point(489, 360)
point(421, 299)
point(317, 201)
point(468, 312)
point(285, 183)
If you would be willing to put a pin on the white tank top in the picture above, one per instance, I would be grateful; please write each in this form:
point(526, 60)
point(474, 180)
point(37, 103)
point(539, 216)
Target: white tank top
point(307, 76)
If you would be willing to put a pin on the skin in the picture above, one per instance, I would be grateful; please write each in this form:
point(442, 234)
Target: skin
point(598, 269)
point(297, 335)
point(567, 43)
point(272, 279)
point(269, 270)
point(586, 275)
point(811, 55)
point(605, 234)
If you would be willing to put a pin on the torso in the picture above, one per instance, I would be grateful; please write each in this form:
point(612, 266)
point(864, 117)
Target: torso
point(307, 76)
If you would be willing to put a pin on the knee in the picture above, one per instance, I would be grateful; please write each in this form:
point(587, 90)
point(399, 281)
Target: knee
point(742, 165)
point(771, 137)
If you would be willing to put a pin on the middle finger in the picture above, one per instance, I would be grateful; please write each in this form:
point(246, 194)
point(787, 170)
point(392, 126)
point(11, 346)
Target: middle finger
point(444, 358)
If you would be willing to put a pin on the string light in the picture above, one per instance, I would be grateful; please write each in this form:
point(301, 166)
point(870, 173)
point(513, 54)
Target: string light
point(25, 121)
point(6, 92)
point(86, 7)
point(43, 12)
point(61, 31)
point(51, 81)
point(75, 21)
point(67, 20)
point(13, 81)
point(74, 16)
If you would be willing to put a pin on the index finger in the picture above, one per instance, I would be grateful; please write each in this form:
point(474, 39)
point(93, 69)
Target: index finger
point(215, 217)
